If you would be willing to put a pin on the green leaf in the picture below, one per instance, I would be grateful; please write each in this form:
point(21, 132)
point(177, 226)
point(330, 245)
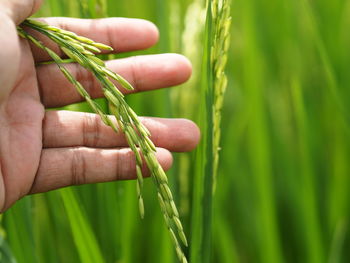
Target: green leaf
point(83, 235)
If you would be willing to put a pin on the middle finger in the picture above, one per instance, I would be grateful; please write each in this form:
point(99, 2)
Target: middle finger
point(143, 72)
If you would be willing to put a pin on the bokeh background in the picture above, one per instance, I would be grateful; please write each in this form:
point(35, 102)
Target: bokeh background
point(282, 192)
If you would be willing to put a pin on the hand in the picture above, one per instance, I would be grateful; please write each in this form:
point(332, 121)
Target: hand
point(41, 151)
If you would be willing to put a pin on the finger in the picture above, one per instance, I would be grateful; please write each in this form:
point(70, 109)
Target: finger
point(8, 52)
point(122, 34)
point(143, 72)
point(19, 10)
point(11, 12)
point(67, 129)
point(63, 167)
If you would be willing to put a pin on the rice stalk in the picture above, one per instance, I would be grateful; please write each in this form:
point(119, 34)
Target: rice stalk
point(213, 85)
point(81, 50)
point(309, 208)
point(194, 22)
point(221, 44)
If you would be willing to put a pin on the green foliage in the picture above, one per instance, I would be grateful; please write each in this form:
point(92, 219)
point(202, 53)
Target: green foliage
point(282, 191)
point(84, 238)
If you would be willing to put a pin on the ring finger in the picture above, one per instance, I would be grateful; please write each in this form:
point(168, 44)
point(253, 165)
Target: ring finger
point(72, 129)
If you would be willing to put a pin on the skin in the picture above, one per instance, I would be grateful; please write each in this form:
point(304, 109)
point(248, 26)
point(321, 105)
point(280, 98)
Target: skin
point(42, 151)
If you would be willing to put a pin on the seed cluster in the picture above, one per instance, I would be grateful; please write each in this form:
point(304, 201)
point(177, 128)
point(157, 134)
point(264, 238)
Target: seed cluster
point(81, 50)
point(221, 42)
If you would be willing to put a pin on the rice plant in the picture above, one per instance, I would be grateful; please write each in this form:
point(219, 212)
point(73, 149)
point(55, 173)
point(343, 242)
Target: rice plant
point(214, 83)
point(80, 49)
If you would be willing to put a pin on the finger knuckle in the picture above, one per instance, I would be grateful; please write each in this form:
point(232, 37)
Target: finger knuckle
point(91, 130)
point(78, 167)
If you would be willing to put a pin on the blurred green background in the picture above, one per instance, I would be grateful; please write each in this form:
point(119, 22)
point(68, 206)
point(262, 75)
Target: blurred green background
point(283, 185)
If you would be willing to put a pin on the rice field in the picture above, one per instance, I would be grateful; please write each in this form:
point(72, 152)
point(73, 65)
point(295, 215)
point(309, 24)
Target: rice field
point(281, 191)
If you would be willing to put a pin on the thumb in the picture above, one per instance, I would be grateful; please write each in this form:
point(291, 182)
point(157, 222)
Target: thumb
point(12, 12)
point(19, 10)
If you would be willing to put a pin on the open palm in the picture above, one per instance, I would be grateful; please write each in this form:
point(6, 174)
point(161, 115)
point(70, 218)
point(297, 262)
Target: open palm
point(41, 151)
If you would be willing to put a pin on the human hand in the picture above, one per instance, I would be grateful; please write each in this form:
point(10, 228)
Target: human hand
point(42, 151)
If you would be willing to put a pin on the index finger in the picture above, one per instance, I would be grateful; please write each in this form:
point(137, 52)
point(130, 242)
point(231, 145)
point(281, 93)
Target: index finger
point(19, 10)
point(122, 34)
